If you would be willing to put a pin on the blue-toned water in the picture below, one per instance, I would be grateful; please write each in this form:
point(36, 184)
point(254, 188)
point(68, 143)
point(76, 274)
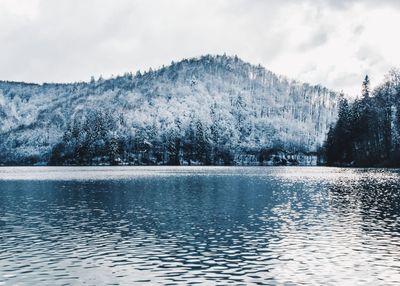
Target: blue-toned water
point(199, 225)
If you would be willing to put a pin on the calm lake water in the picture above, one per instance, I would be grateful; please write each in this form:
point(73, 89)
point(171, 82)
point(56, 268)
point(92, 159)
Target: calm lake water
point(199, 225)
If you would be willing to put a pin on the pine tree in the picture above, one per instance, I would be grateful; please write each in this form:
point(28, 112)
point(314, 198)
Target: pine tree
point(339, 141)
point(200, 143)
point(113, 150)
point(366, 87)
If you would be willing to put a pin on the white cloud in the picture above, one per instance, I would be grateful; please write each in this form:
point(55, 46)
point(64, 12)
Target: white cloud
point(329, 42)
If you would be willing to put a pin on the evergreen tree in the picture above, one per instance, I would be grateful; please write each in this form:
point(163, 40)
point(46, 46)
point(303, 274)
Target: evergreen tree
point(201, 146)
point(113, 150)
point(371, 129)
point(339, 141)
point(365, 87)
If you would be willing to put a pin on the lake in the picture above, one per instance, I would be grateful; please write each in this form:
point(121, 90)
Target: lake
point(199, 225)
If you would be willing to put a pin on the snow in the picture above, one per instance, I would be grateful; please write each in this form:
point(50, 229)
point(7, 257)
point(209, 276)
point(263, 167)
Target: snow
point(242, 108)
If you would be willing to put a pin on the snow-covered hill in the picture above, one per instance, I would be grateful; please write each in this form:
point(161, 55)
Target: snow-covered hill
point(211, 109)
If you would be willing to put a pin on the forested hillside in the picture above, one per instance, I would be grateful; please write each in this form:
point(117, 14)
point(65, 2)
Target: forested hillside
point(207, 110)
point(367, 132)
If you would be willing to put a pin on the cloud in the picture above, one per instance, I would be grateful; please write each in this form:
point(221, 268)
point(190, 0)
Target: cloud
point(316, 40)
point(370, 55)
point(358, 30)
point(346, 4)
point(319, 41)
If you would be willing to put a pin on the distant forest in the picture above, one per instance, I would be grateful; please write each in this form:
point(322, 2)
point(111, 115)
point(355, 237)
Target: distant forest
point(100, 138)
point(211, 110)
point(367, 132)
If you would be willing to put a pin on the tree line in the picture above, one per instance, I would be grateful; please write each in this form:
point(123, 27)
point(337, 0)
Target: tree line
point(215, 110)
point(367, 130)
point(100, 138)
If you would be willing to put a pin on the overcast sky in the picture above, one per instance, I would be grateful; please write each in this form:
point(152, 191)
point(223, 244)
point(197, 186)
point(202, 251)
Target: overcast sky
point(334, 43)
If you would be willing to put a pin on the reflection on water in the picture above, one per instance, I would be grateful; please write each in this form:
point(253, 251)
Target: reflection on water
point(207, 225)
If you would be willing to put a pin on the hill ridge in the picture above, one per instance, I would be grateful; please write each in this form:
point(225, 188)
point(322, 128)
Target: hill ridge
point(252, 108)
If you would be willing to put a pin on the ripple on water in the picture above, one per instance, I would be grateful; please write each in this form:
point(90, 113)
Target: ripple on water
point(202, 225)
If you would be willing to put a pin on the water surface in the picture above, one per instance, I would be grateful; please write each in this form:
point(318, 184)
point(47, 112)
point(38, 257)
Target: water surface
point(199, 225)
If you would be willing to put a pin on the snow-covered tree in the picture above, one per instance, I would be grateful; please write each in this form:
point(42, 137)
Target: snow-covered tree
point(207, 110)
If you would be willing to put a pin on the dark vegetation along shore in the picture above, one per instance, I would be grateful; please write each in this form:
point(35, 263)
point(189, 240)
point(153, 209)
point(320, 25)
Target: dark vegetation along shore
point(367, 132)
